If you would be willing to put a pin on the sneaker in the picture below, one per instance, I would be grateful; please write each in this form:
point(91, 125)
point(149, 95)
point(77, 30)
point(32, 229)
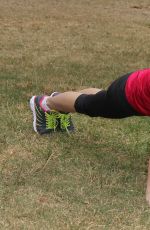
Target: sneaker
point(43, 122)
point(65, 120)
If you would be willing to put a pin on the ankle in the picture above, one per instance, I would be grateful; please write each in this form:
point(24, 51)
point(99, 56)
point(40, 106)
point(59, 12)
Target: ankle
point(50, 103)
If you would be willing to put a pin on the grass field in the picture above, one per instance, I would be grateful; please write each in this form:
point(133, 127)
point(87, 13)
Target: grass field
point(94, 179)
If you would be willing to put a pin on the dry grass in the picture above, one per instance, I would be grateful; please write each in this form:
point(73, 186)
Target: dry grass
point(96, 178)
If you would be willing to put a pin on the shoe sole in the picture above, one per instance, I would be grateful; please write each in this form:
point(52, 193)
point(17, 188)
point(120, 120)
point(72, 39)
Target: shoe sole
point(32, 107)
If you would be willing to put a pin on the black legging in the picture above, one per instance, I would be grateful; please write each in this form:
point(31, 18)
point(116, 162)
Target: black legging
point(110, 103)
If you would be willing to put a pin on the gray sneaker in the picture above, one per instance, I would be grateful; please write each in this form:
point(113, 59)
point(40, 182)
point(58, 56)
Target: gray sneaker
point(43, 122)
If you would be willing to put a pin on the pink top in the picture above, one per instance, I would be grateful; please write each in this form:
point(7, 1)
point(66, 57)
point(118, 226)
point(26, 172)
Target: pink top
point(137, 91)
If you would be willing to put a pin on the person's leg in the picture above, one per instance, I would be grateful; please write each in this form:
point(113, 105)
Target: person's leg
point(53, 112)
point(65, 102)
point(90, 90)
point(110, 103)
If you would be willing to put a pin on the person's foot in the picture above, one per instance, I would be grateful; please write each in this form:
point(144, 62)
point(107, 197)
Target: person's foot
point(43, 121)
point(65, 120)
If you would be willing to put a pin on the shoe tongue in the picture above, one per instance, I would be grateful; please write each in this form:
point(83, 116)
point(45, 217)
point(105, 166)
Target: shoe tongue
point(43, 104)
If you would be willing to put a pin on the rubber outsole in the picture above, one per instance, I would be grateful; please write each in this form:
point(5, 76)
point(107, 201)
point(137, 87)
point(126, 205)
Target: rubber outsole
point(32, 107)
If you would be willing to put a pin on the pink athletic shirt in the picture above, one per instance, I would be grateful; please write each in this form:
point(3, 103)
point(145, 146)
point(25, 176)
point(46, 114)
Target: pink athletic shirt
point(137, 91)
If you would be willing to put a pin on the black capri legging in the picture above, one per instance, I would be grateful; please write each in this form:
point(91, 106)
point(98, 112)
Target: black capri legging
point(110, 103)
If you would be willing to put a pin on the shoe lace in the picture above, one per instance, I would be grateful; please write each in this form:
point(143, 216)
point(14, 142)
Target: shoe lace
point(64, 121)
point(51, 120)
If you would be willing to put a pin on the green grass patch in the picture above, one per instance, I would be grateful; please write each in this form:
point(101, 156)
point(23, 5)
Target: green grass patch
point(95, 178)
